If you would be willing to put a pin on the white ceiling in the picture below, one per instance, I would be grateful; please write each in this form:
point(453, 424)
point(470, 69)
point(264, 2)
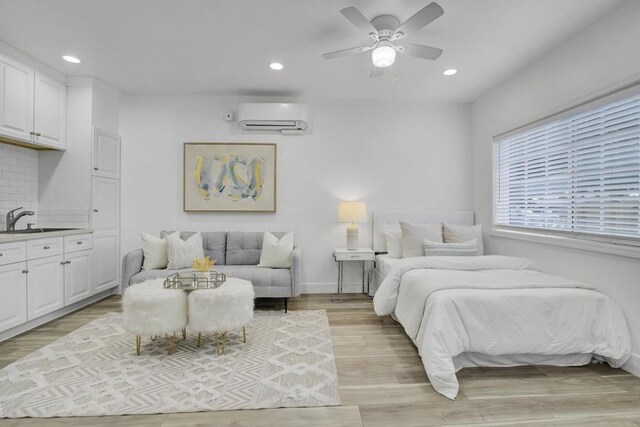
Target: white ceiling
point(223, 47)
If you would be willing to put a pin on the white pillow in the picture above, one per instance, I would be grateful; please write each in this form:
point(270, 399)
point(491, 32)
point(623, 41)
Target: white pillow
point(155, 252)
point(450, 249)
point(393, 239)
point(181, 253)
point(276, 253)
point(464, 233)
point(414, 234)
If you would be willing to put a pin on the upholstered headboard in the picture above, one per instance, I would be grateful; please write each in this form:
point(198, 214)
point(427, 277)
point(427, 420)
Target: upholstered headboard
point(383, 220)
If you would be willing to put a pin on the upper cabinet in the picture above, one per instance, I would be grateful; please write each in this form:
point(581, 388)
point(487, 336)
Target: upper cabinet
point(16, 99)
point(32, 106)
point(106, 154)
point(50, 112)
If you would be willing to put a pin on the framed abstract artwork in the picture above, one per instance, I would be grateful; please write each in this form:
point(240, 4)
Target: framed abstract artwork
point(221, 177)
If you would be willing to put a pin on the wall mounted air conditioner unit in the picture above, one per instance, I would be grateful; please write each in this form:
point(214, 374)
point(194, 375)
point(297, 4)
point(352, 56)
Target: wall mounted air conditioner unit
point(286, 118)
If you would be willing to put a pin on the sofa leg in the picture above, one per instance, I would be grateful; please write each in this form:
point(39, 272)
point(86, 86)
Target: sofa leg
point(286, 300)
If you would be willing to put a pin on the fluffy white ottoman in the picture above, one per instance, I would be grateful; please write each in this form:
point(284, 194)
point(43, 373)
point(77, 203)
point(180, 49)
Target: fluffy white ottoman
point(150, 309)
point(227, 308)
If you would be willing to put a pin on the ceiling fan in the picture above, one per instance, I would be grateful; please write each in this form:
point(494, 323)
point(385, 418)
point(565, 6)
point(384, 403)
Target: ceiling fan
point(385, 31)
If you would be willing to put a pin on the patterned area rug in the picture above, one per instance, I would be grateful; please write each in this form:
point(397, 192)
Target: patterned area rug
point(288, 361)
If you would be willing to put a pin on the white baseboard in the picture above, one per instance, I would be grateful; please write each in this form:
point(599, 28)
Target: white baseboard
point(55, 314)
point(331, 288)
point(633, 365)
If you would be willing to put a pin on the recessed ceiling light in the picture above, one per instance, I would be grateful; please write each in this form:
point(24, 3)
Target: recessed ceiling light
point(450, 72)
point(276, 66)
point(71, 59)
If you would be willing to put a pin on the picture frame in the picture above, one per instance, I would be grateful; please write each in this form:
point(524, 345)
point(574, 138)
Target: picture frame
point(229, 177)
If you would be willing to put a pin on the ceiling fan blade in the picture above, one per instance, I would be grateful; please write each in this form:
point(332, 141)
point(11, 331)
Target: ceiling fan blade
point(420, 51)
point(345, 52)
point(359, 20)
point(423, 17)
point(376, 71)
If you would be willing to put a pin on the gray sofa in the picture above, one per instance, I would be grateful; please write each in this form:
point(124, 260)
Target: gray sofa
point(237, 254)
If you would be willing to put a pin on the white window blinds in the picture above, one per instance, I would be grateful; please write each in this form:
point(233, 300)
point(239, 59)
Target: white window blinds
point(577, 174)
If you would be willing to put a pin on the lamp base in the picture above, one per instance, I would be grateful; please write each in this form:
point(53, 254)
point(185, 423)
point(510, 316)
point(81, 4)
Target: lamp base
point(352, 236)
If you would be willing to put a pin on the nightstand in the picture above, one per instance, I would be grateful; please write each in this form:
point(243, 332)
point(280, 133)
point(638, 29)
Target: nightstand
point(342, 255)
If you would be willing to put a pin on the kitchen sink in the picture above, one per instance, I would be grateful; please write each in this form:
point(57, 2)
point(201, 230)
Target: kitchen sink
point(35, 230)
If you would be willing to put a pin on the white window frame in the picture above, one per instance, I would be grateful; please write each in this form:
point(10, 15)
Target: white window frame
point(604, 244)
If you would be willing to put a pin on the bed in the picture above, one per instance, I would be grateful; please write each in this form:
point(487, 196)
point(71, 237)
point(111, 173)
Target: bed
point(497, 311)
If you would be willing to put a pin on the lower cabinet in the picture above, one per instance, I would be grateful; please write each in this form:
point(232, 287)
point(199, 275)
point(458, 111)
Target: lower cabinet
point(13, 288)
point(45, 286)
point(106, 261)
point(77, 277)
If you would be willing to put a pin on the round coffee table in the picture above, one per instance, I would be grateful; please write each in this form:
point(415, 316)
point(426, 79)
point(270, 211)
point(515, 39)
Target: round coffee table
point(217, 311)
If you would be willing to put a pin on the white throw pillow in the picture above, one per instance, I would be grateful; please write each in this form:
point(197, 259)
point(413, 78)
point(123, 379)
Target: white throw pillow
point(276, 253)
point(155, 252)
point(450, 249)
point(393, 239)
point(464, 233)
point(181, 253)
point(414, 234)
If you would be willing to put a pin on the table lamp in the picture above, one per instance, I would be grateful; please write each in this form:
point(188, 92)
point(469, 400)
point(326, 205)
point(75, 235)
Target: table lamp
point(352, 212)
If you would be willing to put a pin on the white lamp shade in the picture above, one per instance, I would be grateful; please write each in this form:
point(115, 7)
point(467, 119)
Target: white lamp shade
point(352, 212)
point(383, 56)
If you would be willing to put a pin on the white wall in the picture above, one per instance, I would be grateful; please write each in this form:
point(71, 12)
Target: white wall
point(393, 157)
point(601, 56)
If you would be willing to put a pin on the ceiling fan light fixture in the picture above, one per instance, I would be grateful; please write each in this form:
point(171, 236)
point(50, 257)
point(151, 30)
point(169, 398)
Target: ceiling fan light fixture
point(383, 56)
point(450, 72)
point(71, 59)
point(276, 66)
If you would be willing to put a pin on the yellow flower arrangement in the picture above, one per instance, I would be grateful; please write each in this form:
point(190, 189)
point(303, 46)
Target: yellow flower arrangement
point(203, 265)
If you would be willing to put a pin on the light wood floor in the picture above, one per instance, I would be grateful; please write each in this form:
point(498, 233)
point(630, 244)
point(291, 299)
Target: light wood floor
point(382, 383)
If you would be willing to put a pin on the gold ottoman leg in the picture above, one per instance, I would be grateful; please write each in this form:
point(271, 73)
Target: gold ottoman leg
point(138, 344)
point(223, 336)
point(244, 334)
point(199, 337)
point(184, 333)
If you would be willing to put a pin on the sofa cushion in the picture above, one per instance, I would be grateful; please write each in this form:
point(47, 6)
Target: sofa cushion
point(259, 276)
point(214, 243)
point(245, 247)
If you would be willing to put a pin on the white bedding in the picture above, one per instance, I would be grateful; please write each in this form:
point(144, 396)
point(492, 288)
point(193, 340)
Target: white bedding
point(385, 262)
point(467, 311)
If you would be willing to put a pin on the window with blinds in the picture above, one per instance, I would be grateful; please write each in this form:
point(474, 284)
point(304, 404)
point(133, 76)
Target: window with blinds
point(577, 174)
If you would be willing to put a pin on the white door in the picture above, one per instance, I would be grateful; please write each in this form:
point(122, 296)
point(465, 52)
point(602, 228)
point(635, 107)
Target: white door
point(106, 154)
point(45, 286)
point(50, 114)
point(13, 288)
point(77, 277)
point(16, 99)
point(105, 221)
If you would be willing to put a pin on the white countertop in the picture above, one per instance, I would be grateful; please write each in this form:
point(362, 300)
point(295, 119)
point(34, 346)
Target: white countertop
point(22, 237)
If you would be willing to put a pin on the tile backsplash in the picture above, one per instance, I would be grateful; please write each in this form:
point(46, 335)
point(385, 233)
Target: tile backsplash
point(18, 182)
point(19, 187)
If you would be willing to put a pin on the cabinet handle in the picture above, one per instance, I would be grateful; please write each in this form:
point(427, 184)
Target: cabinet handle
point(46, 247)
point(67, 262)
point(38, 134)
point(78, 243)
point(95, 169)
point(62, 263)
point(1, 254)
point(25, 271)
point(95, 210)
point(32, 133)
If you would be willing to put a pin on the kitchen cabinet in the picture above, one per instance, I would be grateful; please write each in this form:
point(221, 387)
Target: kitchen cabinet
point(16, 99)
point(13, 288)
point(105, 221)
point(77, 277)
point(106, 154)
point(50, 112)
point(33, 106)
point(45, 285)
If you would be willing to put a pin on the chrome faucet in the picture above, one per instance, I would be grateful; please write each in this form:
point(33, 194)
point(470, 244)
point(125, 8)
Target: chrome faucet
point(11, 219)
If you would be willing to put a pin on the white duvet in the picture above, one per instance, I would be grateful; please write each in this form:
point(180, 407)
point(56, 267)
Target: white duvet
point(496, 311)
